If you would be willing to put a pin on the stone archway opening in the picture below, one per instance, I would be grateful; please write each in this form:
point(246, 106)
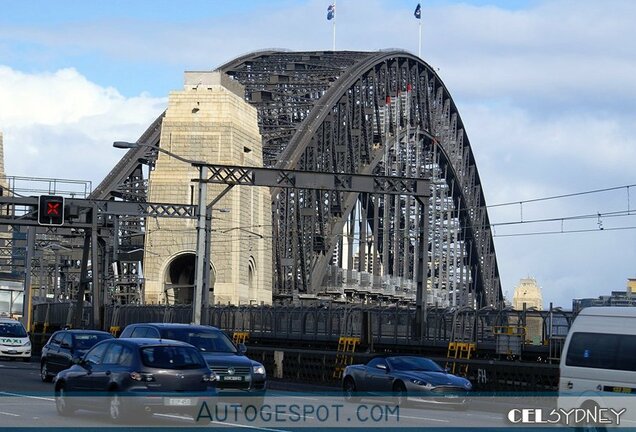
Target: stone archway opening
point(179, 279)
point(251, 281)
point(178, 282)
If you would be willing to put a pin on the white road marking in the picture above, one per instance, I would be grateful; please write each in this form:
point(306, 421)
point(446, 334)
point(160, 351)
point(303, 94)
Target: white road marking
point(174, 416)
point(249, 427)
point(9, 414)
point(27, 396)
point(301, 397)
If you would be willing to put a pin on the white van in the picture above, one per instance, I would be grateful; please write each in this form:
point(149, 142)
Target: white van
point(14, 340)
point(598, 362)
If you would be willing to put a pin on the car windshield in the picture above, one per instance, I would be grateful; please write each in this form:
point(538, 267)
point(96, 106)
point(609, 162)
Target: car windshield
point(414, 364)
point(84, 341)
point(205, 340)
point(10, 329)
point(172, 357)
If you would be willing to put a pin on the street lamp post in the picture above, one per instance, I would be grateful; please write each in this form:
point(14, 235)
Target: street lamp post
point(201, 255)
point(201, 224)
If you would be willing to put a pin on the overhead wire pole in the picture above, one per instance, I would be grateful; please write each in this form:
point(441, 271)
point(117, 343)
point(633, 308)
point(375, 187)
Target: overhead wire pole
point(201, 224)
point(200, 263)
point(97, 294)
point(205, 295)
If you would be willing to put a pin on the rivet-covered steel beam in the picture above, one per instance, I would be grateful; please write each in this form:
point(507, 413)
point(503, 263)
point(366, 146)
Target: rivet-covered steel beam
point(284, 178)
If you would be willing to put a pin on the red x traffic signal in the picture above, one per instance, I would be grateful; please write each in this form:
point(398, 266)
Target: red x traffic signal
point(51, 210)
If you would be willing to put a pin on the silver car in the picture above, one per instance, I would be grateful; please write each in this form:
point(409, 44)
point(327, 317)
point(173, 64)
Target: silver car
point(408, 378)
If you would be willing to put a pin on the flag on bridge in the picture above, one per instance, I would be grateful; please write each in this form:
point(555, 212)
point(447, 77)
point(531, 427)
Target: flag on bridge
point(418, 11)
point(331, 12)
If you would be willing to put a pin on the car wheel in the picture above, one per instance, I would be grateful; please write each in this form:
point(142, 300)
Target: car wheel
point(44, 373)
point(63, 405)
point(590, 427)
point(399, 392)
point(349, 389)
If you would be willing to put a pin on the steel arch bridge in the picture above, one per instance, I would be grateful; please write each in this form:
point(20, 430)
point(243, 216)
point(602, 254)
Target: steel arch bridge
point(384, 113)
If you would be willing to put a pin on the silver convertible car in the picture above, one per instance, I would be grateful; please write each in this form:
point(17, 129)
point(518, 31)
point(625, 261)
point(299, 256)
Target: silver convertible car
point(409, 378)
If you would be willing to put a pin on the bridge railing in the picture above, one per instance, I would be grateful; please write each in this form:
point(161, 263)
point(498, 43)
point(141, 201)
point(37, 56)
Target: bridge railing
point(379, 326)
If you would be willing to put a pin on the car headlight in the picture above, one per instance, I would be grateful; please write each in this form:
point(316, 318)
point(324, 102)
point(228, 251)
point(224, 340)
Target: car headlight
point(210, 377)
point(138, 376)
point(258, 370)
point(424, 384)
point(468, 385)
point(27, 343)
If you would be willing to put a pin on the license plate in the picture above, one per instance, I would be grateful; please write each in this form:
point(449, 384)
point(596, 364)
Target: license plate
point(179, 402)
point(233, 378)
point(12, 352)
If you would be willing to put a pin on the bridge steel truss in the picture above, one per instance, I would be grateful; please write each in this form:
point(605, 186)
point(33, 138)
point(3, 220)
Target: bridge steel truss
point(380, 113)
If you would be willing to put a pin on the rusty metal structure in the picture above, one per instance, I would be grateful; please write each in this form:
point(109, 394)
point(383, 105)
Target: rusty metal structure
point(381, 113)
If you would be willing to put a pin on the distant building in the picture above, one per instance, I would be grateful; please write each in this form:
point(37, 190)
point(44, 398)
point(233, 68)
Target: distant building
point(616, 298)
point(528, 292)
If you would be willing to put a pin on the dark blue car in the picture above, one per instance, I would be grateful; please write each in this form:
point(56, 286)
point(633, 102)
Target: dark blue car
point(64, 347)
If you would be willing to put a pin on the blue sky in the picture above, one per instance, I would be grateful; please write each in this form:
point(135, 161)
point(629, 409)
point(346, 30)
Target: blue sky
point(125, 17)
point(546, 90)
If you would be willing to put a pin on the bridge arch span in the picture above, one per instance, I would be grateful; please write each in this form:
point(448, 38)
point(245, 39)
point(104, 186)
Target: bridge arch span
point(384, 113)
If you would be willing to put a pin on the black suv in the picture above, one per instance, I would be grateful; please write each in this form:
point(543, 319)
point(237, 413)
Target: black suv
point(64, 347)
point(131, 378)
point(234, 370)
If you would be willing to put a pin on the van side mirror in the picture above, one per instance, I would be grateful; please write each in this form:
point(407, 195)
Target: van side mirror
point(242, 349)
point(382, 367)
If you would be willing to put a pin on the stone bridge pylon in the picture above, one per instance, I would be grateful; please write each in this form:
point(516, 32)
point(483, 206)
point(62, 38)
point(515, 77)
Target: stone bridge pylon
point(209, 121)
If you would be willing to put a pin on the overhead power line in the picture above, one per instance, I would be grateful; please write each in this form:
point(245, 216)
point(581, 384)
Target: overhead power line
point(593, 191)
point(565, 231)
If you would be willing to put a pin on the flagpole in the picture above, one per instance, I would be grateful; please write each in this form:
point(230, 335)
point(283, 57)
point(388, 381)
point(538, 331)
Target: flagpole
point(334, 25)
point(419, 40)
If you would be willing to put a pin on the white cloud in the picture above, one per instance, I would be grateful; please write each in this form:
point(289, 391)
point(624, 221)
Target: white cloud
point(61, 125)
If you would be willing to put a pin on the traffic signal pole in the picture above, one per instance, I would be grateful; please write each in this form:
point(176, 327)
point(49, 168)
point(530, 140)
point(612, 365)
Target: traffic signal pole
point(28, 294)
point(81, 292)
